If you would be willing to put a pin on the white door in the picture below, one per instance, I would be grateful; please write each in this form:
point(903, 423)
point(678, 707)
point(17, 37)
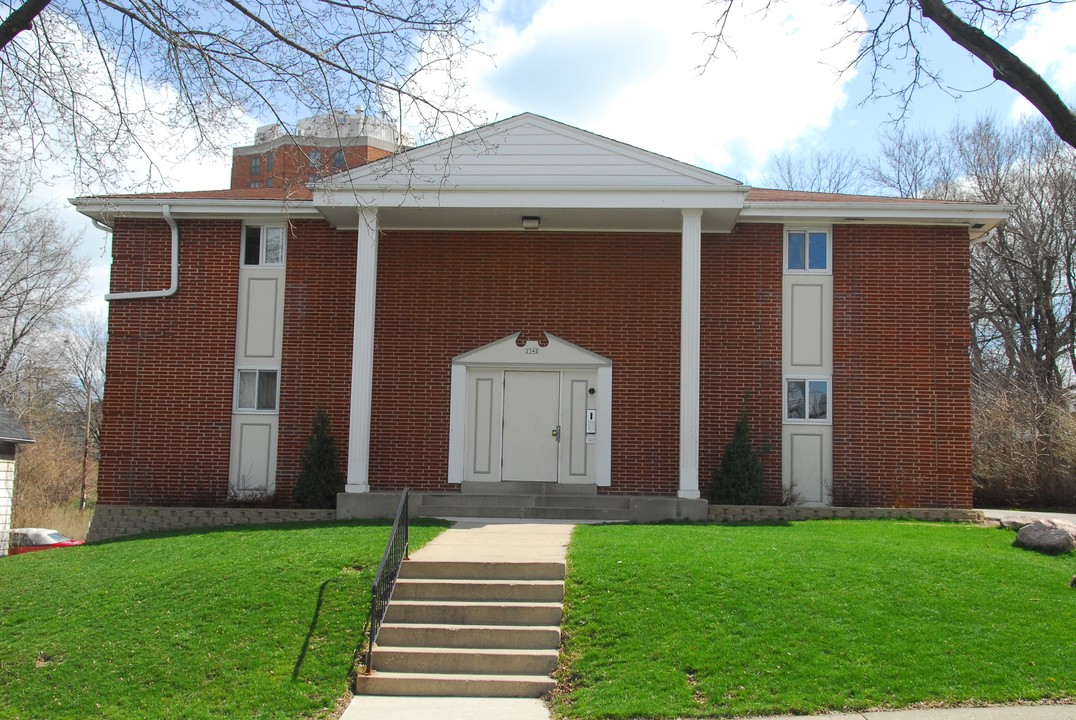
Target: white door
point(530, 447)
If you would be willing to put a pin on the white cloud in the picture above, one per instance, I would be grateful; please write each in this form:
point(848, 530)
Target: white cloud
point(1049, 46)
point(618, 68)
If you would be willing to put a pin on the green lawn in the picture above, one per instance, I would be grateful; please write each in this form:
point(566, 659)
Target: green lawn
point(668, 621)
point(253, 622)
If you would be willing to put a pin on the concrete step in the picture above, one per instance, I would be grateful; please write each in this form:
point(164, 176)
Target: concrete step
point(473, 613)
point(431, 685)
point(526, 488)
point(472, 570)
point(516, 512)
point(464, 660)
point(480, 590)
point(468, 500)
point(534, 637)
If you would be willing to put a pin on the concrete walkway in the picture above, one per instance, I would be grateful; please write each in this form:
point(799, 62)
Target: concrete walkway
point(476, 541)
point(1027, 515)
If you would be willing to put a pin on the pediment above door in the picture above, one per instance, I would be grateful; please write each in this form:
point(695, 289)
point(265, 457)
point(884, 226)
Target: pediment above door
point(507, 352)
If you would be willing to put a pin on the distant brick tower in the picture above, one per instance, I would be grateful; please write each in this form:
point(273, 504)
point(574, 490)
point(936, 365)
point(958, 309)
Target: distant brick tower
point(322, 145)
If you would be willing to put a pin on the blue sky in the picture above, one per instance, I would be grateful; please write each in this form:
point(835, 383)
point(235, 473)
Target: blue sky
point(620, 69)
point(616, 68)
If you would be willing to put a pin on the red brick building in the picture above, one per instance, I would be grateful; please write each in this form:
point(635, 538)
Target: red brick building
point(531, 302)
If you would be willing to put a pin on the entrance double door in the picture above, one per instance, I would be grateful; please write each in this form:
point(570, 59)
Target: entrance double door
point(530, 426)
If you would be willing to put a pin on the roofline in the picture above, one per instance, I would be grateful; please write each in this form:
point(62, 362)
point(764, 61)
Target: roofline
point(978, 217)
point(17, 440)
point(106, 209)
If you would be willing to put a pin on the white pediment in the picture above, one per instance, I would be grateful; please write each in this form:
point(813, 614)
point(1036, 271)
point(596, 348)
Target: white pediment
point(506, 352)
point(528, 151)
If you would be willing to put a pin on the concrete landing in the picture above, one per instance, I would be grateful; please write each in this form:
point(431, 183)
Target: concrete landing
point(499, 541)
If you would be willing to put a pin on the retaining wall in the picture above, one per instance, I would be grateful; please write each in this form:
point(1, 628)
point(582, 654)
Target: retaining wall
point(113, 521)
point(787, 513)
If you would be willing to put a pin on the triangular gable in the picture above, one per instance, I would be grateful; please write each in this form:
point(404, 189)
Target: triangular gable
point(529, 151)
point(507, 353)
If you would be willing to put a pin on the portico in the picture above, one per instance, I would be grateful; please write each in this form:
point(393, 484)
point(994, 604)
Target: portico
point(587, 184)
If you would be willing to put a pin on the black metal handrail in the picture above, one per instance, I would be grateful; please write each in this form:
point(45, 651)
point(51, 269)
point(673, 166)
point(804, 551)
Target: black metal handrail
point(387, 572)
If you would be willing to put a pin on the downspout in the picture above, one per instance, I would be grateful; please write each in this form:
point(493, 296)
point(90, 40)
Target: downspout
point(171, 290)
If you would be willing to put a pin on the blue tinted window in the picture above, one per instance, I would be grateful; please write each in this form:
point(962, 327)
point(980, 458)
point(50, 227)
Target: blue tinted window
point(817, 251)
point(818, 400)
point(796, 251)
point(794, 399)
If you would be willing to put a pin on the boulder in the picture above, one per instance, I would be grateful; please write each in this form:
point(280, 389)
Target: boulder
point(1014, 525)
point(1052, 537)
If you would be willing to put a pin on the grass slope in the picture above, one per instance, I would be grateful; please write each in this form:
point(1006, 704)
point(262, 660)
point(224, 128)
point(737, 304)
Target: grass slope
point(695, 621)
point(253, 622)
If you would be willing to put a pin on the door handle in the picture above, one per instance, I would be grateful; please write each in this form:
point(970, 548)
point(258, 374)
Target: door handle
point(556, 433)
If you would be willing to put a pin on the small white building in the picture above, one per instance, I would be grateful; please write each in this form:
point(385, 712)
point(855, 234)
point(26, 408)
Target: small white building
point(11, 436)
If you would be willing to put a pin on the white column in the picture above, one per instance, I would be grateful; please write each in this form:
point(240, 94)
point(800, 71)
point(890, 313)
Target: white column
point(362, 355)
point(690, 319)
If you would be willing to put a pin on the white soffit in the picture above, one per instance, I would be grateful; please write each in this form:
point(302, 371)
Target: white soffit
point(107, 209)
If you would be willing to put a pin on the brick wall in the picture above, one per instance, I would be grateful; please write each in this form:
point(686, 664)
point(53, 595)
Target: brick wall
point(616, 294)
point(741, 346)
point(318, 329)
point(168, 395)
point(441, 294)
point(901, 407)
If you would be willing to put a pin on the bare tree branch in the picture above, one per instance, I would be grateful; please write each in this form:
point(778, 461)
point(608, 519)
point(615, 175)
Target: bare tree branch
point(1006, 66)
point(92, 82)
point(891, 47)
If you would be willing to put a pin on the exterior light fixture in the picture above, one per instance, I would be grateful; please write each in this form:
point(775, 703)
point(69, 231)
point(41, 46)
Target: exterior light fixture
point(531, 222)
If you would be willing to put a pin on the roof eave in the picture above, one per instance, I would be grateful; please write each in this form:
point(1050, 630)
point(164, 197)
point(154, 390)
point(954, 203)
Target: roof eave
point(107, 209)
point(980, 219)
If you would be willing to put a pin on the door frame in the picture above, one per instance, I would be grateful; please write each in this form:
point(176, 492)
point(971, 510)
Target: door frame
point(556, 355)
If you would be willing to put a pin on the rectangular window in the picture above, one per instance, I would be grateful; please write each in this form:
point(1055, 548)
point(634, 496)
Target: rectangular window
point(255, 184)
point(263, 245)
point(338, 160)
point(807, 250)
point(269, 162)
point(807, 399)
point(256, 390)
point(255, 165)
point(315, 159)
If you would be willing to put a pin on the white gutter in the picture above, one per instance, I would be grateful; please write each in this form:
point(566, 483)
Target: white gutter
point(171, 290)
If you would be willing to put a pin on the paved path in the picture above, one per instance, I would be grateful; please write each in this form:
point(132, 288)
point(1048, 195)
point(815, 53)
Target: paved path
point(1027, 515)
point(479, 541)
